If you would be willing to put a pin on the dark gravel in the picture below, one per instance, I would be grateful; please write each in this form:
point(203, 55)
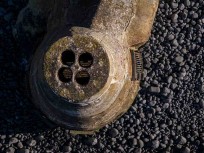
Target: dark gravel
point(168, 113)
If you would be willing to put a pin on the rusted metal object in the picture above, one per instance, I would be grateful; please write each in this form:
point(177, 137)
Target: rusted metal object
point(86, 71)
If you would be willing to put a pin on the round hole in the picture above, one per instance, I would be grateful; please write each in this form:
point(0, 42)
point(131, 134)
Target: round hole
point(68, 57)
point(85, 60)
point(65, 75)
point(82, 78)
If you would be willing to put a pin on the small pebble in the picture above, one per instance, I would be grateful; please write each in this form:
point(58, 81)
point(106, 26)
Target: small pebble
point(31, 143)
point(179, 59)
point(154, 89)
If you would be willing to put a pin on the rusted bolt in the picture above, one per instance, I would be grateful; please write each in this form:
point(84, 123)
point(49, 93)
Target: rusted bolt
point(86, 71)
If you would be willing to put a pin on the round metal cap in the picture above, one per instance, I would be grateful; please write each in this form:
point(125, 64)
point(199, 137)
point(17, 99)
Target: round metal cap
point(76, 67)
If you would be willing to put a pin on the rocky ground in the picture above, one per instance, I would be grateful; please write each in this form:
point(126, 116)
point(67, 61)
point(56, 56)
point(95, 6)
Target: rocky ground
point(168, 113)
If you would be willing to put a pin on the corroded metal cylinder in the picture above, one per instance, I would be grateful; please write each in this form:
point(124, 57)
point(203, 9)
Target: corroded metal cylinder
point(86, 71)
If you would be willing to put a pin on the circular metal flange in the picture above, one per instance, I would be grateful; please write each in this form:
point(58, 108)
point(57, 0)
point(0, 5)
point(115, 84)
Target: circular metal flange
point(76, 68)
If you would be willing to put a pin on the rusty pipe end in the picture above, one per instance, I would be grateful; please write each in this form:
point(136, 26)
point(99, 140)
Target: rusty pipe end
point(80, 79)
point(85, 78)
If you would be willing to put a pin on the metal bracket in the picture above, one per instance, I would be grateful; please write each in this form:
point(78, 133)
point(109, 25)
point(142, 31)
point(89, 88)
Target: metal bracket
point(137, 65)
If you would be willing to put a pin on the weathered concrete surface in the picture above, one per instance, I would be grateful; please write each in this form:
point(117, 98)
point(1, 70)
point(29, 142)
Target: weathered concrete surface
point(107, 29)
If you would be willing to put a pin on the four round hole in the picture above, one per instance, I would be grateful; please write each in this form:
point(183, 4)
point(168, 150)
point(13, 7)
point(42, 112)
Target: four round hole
point(85, 60)
point(68, 58)
point(65, 74)
point(82, 78)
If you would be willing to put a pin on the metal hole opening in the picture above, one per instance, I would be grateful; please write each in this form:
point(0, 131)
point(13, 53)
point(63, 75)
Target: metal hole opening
point(65, 75)
point(85, 60)
point(82, 78)
point(68, 58)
